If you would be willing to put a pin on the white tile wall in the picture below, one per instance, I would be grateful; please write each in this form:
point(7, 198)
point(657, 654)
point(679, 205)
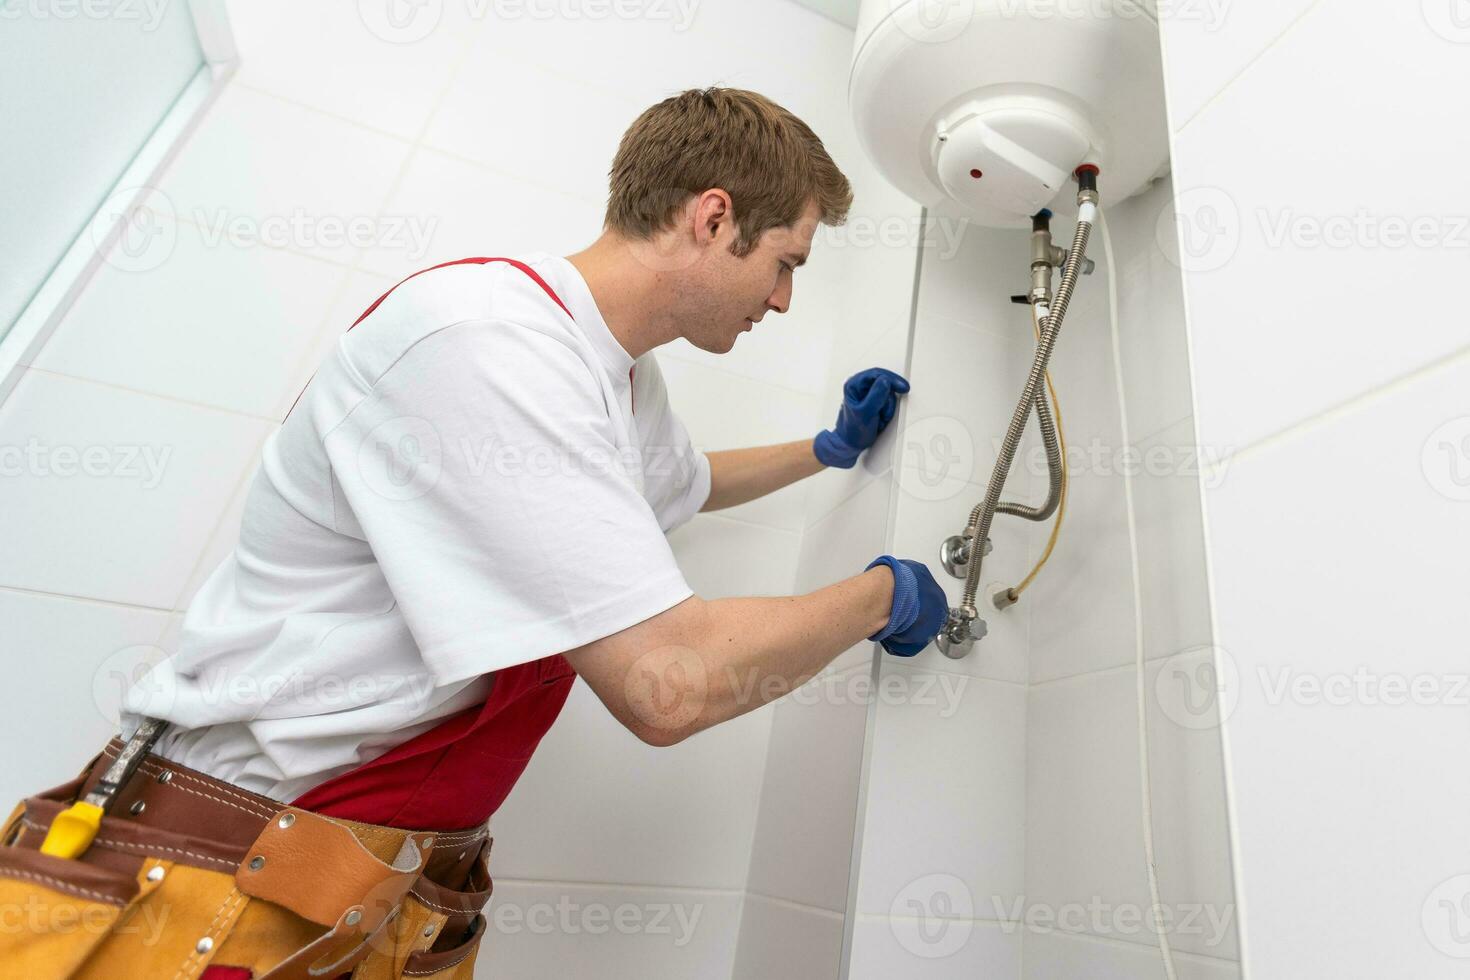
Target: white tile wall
point(933, 947)
point(946, 787)
point(782, 941)
point(328, 56)
point(1313, 581)
point(205, 326)
point(1206, 45)
point(268, 168)
point(1083, 817)
point(598, 805)
point(1357, 601)
point(618, 932)
point(462, 209)
point(78, 652)
point(703, 395)
point(1056, 956)
point(810, 792)
point(1299, 264)
point(121, 492)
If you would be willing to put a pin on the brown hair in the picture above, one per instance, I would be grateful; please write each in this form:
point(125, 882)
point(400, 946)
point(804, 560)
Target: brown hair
point(768, 161)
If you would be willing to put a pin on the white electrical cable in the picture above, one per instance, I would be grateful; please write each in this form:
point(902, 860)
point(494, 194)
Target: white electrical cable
point(1143, 756)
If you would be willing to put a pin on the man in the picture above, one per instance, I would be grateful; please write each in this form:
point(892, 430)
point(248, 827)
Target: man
point(466, 510)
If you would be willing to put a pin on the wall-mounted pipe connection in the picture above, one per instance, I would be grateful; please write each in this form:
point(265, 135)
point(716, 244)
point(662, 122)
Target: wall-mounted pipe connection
point(964, 625)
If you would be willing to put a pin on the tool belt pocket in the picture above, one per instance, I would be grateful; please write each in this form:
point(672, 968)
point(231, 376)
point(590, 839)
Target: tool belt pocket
point(448, 923)
point(62, 910)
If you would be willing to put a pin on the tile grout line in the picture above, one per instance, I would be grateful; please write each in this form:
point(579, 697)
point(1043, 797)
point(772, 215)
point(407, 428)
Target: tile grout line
point(1265, 49)
point(93, 600)
point(153, 394)
point(1342, 409)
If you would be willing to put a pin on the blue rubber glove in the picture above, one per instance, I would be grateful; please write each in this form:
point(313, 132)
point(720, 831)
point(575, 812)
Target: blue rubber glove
point(920, 607)
point(869, 401)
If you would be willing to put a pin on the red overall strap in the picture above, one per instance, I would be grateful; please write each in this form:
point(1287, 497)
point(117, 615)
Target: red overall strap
point(457, 773)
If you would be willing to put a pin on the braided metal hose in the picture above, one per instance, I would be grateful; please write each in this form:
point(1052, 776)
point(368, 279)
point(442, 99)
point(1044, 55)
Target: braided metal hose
point(984, 513)
point(1053, 449)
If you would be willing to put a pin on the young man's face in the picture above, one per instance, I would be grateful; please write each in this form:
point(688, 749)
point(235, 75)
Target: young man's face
point(735, 293)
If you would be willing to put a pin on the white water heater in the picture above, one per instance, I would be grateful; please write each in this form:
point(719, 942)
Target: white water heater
point(985, 108)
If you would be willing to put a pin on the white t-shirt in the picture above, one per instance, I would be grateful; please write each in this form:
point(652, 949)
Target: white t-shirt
point(464, 486)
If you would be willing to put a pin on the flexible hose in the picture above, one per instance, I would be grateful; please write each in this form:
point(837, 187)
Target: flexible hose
point(1045, 401)
point(1145, 779)
point(984, 513)
point(1015, 591)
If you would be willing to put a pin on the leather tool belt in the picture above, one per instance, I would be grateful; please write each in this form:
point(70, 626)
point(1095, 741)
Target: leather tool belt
point(188, 876)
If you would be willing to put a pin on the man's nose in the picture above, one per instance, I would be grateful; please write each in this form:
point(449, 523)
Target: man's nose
point(780, 300)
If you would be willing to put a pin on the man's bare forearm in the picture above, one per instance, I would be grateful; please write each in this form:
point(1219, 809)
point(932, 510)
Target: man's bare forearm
point(707, 661)
point(741, 475)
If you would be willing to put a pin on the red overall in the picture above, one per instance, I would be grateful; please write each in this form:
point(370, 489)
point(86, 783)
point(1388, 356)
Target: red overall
point(458, 773)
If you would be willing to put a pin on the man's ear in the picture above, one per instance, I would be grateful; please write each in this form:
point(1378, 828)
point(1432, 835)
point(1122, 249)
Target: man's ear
point(714, 217)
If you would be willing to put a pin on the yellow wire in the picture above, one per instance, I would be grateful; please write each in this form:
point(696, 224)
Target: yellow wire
point(1056, 528)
